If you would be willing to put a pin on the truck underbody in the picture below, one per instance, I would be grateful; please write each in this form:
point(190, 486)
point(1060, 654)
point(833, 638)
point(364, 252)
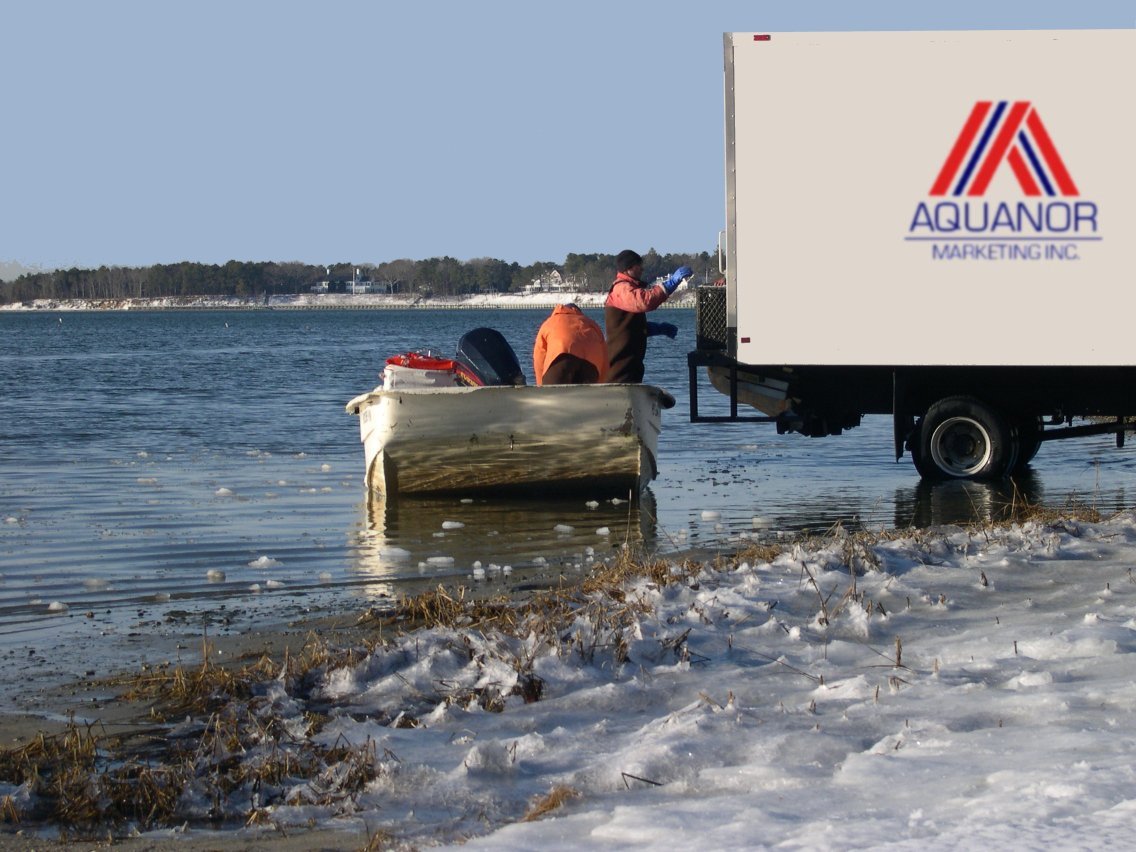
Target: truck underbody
point(963, 422)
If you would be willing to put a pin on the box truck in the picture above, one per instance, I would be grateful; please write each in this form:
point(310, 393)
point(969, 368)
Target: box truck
point(939, 226)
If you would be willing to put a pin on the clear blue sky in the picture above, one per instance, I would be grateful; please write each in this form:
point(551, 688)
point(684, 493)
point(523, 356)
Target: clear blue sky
point(154, 132)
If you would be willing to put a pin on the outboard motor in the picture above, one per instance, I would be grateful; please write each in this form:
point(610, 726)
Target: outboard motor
point(486, 352)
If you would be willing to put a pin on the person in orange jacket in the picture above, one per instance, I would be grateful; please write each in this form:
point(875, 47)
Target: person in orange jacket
point(569, 349)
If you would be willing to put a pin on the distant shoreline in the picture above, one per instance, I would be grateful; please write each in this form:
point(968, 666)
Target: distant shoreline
point(333, 301)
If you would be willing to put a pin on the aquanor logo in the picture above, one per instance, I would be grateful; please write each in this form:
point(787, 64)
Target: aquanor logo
point(961, 223)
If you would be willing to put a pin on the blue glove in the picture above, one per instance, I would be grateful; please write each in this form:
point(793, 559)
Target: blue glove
point(676, 278)
point(656, 328)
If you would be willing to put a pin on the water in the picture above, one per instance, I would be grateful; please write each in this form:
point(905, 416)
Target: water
point(199, 468)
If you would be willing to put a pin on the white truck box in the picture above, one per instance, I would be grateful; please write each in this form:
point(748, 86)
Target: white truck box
point(875, 211)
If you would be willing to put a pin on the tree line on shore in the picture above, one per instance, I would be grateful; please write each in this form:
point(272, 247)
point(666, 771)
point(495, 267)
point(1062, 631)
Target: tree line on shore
point(437, 276)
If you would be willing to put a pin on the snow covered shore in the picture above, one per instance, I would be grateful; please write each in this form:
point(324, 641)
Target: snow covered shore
point(935, 689)
point(951, 690)
point(309, 301)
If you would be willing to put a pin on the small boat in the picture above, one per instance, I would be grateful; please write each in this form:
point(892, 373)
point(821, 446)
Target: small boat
point(469, 425)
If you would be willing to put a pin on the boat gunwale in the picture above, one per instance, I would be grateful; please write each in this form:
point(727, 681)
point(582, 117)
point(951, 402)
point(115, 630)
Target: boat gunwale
point(372, 397)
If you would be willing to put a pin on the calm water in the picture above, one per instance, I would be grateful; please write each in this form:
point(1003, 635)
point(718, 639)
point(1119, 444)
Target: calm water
point(201, 466)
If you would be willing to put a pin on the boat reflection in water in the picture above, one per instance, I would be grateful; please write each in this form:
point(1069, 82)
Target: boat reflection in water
point(961, 502)
point(407, 544)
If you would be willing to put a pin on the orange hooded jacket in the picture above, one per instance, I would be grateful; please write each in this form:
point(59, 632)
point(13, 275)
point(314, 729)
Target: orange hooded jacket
point(569, 330)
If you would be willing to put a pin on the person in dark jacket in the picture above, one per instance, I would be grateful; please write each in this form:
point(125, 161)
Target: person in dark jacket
point(625, 316)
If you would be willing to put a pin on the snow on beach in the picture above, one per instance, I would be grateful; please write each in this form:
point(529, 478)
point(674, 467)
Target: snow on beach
point(911, 689)
point(337, 300)
point(970, 687)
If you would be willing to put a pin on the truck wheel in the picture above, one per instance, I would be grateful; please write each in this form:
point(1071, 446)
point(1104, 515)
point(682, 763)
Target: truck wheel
point(963, 438)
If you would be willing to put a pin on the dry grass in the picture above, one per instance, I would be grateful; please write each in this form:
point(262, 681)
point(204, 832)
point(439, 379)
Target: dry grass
point(1019, 509)
point(452, 609)
point(90, 785)
point(1073, 510)
point(609, 578)
point(76, 786)
point(93, 785)
point(553, 800)
point(178, 690)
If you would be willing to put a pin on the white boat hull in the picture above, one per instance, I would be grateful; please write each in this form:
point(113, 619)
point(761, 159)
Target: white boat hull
point(598, 439)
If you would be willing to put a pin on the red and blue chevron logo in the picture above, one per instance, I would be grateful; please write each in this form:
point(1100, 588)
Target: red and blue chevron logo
point(1004, 132)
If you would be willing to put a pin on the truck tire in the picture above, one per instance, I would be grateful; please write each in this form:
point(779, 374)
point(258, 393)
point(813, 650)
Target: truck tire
point(963, 438)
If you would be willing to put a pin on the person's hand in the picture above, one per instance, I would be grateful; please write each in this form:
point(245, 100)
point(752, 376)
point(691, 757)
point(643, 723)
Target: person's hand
point(671, 284)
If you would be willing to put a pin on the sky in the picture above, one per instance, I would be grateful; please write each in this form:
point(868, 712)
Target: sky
point(137, 133)
point(958, 689)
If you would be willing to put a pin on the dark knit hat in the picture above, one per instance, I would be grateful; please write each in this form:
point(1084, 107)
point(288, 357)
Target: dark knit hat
point(627, 259)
